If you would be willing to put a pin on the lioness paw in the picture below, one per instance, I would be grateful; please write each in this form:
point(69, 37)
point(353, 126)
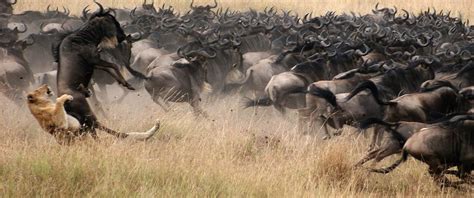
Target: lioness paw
point(66, 97)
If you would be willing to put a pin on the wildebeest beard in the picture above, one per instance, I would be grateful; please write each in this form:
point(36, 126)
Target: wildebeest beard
point(78, 57)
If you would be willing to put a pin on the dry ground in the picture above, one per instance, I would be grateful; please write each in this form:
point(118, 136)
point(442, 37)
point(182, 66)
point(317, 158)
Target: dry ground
point(228, 155)
point(225, 156)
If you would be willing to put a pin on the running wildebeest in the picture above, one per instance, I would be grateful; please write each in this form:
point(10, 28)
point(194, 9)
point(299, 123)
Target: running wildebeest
point(442, 146)
point(78, 57)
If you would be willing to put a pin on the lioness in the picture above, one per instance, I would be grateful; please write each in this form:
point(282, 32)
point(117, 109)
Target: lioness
point(65, 128)
point(51, 115)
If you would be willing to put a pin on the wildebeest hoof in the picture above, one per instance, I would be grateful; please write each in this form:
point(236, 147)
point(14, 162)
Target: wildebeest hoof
point(326, 138)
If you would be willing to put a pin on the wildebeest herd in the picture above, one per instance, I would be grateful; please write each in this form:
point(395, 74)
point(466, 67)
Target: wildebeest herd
point(408, 76)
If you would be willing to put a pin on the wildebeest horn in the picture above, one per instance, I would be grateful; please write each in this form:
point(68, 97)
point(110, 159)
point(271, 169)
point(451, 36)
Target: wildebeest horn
point(394, 11)
point(16, 30)
point(65, 11)
point(192, 2)
point(132, 13)
point(42, 27)
point(47, 8)
point(12, 2)
point(84, 13)
point(214, 6)
point(101, 8)
point(113, 11)
point(361, 53)
point(428, 41)
point(466, 55)
point(135, 36)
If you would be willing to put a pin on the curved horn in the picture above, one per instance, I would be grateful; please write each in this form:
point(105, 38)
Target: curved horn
point(361, 53)
point(192, 6)
point(214, 6)
point(84, 13)
point(65, 11)
point(13, 2)
point(101, 8)
point(42, 27)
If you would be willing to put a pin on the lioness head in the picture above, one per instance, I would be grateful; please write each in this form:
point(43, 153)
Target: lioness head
point(42, 93)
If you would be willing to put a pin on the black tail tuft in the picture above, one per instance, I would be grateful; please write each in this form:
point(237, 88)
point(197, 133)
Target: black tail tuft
point(365, 124)
point(264, 101)
point(325, 94)
point(371, 87)
point(393, 166)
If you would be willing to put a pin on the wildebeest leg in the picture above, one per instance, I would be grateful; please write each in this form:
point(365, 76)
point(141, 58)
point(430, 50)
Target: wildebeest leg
point(377, 137)
point(197, 108)
point(387, 149)
point(371, 155)
point(80, 109)
point(464, 173)
point(436, 172)
point(103, 92)
point(114, 71)
point(96, 103)
point(279, 108)
point(162, 104)
point(303, 121)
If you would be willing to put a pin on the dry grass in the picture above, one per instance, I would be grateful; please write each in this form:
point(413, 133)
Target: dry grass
point(226, 156)
point(302, 6)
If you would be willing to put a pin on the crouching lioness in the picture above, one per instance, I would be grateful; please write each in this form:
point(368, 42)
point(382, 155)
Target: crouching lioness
point(53, 118)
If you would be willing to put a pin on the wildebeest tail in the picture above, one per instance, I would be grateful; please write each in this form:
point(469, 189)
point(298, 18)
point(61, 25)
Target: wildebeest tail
point(136, 73)
point(392, 167)
point(263, 101)
point(371, 87)
point(365, 124)
point(325, 94)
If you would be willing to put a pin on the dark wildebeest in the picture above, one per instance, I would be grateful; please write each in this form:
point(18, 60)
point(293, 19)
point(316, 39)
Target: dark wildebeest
point(182, 81)
point(442, 146)
point(78, 57)
point(393, 143)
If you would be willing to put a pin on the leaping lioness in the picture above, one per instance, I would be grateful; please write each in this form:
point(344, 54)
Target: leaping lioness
point(53, 118)
point(78, 56)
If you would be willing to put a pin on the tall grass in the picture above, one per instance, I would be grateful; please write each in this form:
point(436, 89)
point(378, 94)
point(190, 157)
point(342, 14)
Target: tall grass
point(456, 7)
point(243, 153)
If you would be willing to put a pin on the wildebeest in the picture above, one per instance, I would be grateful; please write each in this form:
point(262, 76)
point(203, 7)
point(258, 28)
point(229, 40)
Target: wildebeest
point(78, 57)
point(182, 81)
point(442, 146)
point(393, 142)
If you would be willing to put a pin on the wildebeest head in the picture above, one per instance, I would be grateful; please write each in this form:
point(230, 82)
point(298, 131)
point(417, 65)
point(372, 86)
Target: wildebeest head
point(6, 6)
point(202, 11)
point(105, 24)
point(430, 85)
point(10, 35)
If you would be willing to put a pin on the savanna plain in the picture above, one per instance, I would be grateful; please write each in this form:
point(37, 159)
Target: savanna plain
point(236, 152)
